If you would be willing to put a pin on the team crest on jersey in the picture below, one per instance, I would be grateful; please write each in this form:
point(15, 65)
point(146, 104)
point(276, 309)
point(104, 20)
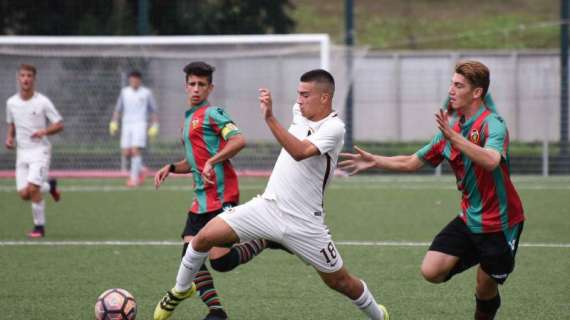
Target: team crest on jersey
point(474, 136)
point(195, 123)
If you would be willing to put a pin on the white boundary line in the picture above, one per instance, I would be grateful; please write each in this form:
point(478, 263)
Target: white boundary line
point(177, 243)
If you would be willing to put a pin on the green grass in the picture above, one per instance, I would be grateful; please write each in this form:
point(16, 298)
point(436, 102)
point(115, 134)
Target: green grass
point(443, 24)
point(62, 282)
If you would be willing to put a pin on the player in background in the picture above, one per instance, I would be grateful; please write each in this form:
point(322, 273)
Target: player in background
point(26, 115)
point(290, 211)
point(211, 139)
point(134, 105)
point(475, 143)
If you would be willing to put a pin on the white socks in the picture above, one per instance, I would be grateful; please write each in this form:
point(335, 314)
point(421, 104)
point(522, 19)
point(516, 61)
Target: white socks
point(189, 266)
point(368, 305)
point(136, 166)
point(38, 213)
point(44, 187)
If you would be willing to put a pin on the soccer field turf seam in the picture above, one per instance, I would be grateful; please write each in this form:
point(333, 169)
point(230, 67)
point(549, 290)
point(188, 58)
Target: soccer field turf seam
point(177, 243)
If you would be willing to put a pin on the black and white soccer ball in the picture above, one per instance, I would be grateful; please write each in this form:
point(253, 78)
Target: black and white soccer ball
point(116, 304)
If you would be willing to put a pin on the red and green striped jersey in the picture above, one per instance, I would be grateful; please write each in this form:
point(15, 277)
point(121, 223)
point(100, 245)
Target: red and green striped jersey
point(206, 131)
point(489, 201)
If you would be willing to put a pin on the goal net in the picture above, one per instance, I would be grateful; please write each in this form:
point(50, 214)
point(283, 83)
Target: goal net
point(83, 77)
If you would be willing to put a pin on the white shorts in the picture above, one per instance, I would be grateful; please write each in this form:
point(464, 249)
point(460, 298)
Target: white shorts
point(309, 240)
point(133, 135)
point(32, 167)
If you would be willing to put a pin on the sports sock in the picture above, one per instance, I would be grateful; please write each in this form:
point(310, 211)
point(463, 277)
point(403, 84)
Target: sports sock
point(205, 285)
point(38, 213)
point(486, 309)
point(136, 166)
point(189, 266)
point(368, 305)
point(238, 254)
point(44, 187)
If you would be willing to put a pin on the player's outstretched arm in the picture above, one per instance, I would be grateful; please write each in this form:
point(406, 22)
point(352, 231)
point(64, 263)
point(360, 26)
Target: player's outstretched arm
point(363, 160)
point(233, 146)
point(178, 167)
point(298, 149)
point(487, 158)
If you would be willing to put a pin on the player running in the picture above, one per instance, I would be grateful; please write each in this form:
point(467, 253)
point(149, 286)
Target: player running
point(210, 138)
point(135, 103)
point(26, 114)
point(475, 143)
point(290, 211)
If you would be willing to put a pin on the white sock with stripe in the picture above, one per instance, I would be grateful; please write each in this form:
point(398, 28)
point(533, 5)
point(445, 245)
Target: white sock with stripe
point(136, 166)
point(189, 266)
point(368, 305)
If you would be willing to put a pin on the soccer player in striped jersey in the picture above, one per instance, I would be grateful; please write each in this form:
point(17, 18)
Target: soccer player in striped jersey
point(211, 139)
point(135, 106)
point(290, 211)
point(475, 142)
point(27, 113)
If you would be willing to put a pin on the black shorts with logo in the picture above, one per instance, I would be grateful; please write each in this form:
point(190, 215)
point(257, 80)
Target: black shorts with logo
point(196, 221)
point(495, 251)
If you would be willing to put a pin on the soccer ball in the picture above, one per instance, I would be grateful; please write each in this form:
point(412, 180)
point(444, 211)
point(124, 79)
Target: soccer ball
point(116, 304)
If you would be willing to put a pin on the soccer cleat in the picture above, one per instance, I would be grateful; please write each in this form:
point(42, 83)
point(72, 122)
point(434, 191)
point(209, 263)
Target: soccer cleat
point(55, 194)
point(384, 311)
point(38, 232)
point(216, 314)
point(170, 301)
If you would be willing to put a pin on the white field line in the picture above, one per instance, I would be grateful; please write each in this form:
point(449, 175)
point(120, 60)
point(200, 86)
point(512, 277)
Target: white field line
point(358, 186)
point(177, 243)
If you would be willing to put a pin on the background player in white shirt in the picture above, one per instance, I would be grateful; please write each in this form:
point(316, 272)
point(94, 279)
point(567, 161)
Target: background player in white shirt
point(26, 115)
point(290, 211)
point(135, 104)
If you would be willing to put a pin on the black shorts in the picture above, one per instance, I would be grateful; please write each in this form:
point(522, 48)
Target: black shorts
point(494, 252)
point(196, 221)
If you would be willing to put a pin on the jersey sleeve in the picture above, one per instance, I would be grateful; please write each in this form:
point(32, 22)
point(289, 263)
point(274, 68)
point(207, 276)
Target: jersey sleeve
point(51, 112)
point(328, 137)
point(119, 106)
point(9, 118)
point(223, 123)
point(152, 106)
point(432, 153)
point(495, 134)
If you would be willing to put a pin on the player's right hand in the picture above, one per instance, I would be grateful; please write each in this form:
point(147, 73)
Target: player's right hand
point(113, 127)
point(265, 103)
point(9, 143)
point(356, 162)
point(161, 175)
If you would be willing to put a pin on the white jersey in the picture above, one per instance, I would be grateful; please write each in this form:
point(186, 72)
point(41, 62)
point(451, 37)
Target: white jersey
point(135, 105)
point(298, 186)
point(29, 116)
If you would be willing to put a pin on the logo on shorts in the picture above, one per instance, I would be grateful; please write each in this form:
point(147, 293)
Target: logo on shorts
point(499, 276)
point(474, 136)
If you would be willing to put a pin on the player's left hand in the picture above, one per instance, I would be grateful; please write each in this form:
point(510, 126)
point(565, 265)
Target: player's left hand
point(356, 162)
point(442, 121)
point(265, 103)
point(208, 173)
point(39, 134)
point(153, 131)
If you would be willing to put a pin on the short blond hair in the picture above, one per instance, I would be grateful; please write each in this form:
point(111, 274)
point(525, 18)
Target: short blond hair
point(476, 73)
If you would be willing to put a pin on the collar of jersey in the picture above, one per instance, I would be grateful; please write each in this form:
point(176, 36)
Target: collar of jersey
point(316, 123)
point(196, 107)
point(469, 122)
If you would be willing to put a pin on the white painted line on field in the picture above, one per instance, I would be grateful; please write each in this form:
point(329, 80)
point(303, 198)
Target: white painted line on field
point(177, 243)
point(104, 188)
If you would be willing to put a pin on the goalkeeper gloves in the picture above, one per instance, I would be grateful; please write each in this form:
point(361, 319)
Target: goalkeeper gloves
point(113, 127)
point(153, 131)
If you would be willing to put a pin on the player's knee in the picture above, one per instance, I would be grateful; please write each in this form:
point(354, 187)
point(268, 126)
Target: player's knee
point(431, 274)
point(203, 241)
point(340, 283)
point(24, 195)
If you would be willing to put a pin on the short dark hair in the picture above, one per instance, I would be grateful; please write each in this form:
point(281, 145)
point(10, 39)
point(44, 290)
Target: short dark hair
point(200, 69)
point(135, 74)
point(476, 73)
point(320, 76)
point(28, 67)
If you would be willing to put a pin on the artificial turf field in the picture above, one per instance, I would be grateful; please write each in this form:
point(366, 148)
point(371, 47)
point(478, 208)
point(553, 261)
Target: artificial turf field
point(381, 225)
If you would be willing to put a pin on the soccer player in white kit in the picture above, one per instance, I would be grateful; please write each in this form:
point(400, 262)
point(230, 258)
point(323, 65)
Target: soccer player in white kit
point(290, 211)
point(26, 114)
point(135, 104)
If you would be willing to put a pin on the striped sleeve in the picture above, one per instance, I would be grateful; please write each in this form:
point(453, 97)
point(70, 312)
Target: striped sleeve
point(224, 123)
point(432, 153)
